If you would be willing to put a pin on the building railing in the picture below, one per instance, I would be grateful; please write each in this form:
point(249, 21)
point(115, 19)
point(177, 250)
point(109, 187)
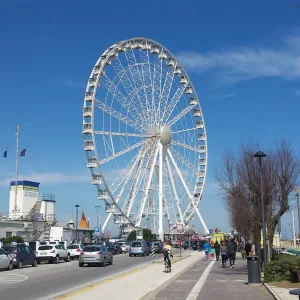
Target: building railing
point(51, 218)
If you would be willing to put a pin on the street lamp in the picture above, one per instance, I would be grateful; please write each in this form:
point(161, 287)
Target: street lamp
point(260, 155)
point(76, 225)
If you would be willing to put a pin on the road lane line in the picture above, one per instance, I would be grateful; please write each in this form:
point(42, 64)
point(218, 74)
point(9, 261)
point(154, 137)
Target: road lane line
point(199, 284)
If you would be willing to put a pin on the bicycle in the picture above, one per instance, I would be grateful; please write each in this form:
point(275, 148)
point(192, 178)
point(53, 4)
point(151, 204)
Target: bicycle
point(167, 266)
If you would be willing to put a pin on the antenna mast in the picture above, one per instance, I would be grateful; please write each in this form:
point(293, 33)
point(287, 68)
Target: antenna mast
point(17, 166)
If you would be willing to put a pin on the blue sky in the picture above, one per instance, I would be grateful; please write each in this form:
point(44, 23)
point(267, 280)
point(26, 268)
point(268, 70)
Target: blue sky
point(244, 61)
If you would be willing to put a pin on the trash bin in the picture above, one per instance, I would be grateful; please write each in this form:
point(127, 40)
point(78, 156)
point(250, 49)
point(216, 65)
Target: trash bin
point(254, 274)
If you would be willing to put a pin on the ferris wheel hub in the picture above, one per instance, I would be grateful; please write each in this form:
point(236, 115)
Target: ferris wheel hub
point(165, 135)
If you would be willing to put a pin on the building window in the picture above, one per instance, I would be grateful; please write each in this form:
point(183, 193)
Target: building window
point(8, 234)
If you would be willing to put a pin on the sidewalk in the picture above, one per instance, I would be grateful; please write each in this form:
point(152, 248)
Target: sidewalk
point(207, 280)
point(135, 284)
point(281, 293)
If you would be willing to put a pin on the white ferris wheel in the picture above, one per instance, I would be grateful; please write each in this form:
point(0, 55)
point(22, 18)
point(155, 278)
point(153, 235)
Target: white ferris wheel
point(145, 138)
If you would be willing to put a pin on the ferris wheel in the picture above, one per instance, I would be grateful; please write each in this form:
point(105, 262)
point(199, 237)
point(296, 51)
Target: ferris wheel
point(145, 138)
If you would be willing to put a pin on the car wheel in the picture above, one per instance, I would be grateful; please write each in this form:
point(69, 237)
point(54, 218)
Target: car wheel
point(130, 255)
point(81, 264)
point(111, 261)
point(20, 264)
point(104, 263)
point(38, 262)
point(68, 258)
point(10, 266)
point(56, 259)
point(34, 264)
point(72, 258)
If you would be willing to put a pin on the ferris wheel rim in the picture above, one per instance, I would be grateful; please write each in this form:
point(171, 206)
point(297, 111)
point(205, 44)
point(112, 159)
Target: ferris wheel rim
point(102, 67)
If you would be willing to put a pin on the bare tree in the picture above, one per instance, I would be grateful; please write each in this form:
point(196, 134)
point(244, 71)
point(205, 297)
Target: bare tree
point(239, 179)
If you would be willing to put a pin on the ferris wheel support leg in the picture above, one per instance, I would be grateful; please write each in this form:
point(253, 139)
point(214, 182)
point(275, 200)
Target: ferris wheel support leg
point(174, 189)
point(160, 193)
point(106, 222)
point(188, 193)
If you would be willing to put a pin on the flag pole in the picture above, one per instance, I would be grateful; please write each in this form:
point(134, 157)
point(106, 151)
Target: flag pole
point(17, 165)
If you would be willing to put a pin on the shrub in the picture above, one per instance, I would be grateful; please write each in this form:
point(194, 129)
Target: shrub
point(282, 268)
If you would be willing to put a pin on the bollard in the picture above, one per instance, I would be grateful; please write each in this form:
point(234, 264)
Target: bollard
point(254, 273)
point(152, 251)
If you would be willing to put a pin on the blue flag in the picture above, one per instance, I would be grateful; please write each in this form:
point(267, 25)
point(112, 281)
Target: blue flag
point(23, 152)
point(5, 154)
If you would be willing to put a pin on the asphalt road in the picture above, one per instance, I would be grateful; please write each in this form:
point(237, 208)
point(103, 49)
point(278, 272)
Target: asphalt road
point(46, 281)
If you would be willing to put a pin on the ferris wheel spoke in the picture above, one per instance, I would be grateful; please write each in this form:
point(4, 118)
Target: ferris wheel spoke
point(147, 186)
point(118, 115)
point(173, 102)
point(184, 161)
point(184, 130)
point(180, 115)
point(174, 190)
point(121, 152)
point(187, 191)
point(109, 133)
point(165, 93)
point(183, 145)
point(126, 172)
point(156, 88)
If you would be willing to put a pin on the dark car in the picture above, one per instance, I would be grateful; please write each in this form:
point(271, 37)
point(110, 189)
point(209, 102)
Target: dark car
point(157, 246)
point(21, 255)
point(118, 248)
point(111, 247)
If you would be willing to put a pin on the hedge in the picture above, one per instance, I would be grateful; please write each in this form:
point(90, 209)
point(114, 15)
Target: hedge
point(283, 267)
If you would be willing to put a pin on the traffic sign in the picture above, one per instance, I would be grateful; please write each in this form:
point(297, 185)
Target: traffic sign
point(211, 231)
point(97, 229)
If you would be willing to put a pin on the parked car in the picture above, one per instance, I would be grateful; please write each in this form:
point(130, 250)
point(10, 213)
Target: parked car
point(75, 250)
point(158, 248)
point(111, 247)
point(117, 248)
point(125, 246)
point(21, 255)
point(98, 254)
point(139, 248)
point(52, 253)
point(5, 260)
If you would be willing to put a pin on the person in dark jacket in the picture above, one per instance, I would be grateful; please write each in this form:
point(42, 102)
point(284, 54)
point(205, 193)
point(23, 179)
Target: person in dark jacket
point(217, 248)
point(232, 248)
point(248, 247)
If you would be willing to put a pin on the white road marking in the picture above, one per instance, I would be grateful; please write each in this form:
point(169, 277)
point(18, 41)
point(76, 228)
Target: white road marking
point(198, 286)
point(12, 278)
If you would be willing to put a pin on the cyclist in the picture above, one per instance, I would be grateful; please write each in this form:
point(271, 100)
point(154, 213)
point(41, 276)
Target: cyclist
point(167, 252)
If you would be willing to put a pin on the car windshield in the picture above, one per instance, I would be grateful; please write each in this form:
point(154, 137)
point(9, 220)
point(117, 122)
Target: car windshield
point(156, 244)
point(73, 247)
point(9, 249)
point(136, 244)
point(45, 247)
point(91, 249)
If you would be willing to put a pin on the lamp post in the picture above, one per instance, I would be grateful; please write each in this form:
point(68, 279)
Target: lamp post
point(297, 190)
point(260, 155)
point(76, 225)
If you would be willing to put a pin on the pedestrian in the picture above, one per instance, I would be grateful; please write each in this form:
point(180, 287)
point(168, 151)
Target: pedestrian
point(212, 253)
point(232, 248)
point(217, 248)
point(223, 251)
point(248, 248)
point(206, 248)
point(253, 249)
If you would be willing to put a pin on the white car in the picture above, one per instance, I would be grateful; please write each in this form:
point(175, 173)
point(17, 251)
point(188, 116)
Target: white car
point(52, 253)
point(75, 250)
point(5, 260)
point(125, 246)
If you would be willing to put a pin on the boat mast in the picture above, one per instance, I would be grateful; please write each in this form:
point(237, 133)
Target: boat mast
point(17, 166)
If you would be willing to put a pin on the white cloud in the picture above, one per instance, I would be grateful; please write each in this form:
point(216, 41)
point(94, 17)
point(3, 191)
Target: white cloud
point(47, 178)
point(72, 83)
point(226, 96)
point(248, 62)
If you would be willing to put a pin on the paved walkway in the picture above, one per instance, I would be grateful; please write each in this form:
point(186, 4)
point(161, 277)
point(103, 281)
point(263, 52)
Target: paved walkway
point(207, 280)
point(281, 293)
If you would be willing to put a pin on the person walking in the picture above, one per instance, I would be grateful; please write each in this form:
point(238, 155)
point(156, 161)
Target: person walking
point(232, 248)
point(206, 248)
point(217, 248)
point(223, 251)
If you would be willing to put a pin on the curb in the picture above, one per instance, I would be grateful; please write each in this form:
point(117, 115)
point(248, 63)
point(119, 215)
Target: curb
point(152, 294)
point(272, 292)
